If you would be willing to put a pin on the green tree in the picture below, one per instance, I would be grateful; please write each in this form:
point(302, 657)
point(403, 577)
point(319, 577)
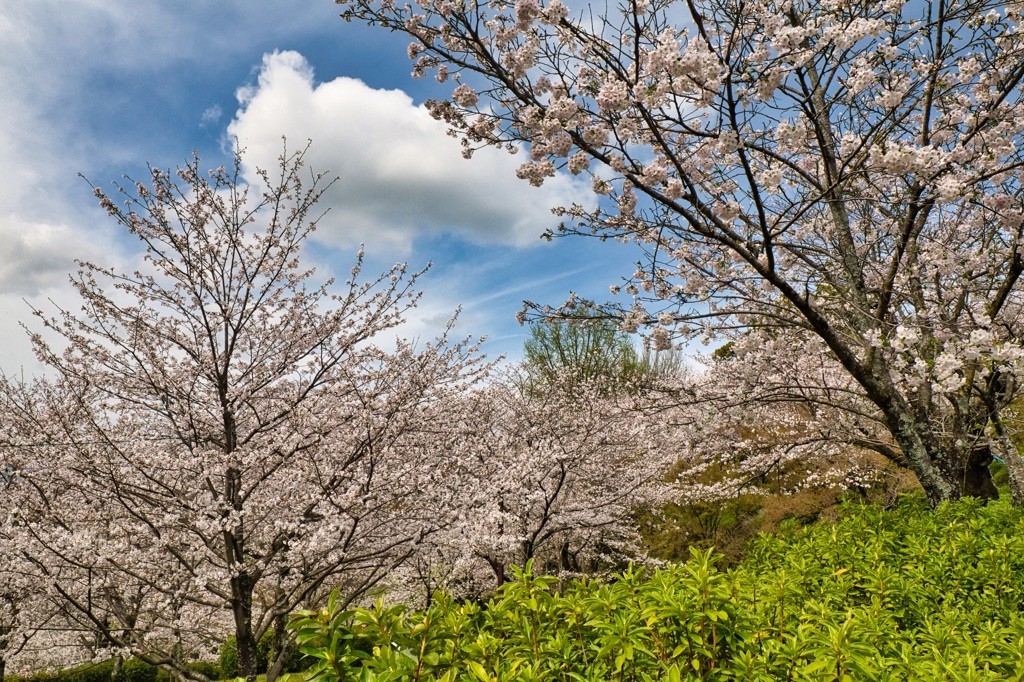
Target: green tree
point(588, 347)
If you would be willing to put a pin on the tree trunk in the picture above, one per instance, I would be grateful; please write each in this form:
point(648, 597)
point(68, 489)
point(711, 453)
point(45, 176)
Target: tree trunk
point(499, 571)
point(276, 666)
point(977, 477)
point(927, 464)
point(245, 642)
point(946, 472)
point(280, 650)
point(965, 474)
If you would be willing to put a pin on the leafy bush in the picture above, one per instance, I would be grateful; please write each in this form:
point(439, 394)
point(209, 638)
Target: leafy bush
point(88, 672)
point(208, 669)
point(900, 594)
point(134, 670)
point(227, 662)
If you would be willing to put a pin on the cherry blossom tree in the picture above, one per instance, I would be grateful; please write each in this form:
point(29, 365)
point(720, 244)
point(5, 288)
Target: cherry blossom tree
point(32, 624)
point(845, 171)
point(542, 473)
point(221, 441)
point(769, 416)
point(21, 611)
point(35, 630)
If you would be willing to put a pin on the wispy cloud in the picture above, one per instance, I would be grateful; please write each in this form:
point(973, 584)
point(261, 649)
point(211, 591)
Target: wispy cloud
point(531, 284)
point(211, 115)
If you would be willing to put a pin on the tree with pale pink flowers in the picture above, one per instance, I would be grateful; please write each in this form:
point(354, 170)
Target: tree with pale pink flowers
point(22, 608)
point(842, 176)
point(551, 473)
point(220, 440)
point(753, 424)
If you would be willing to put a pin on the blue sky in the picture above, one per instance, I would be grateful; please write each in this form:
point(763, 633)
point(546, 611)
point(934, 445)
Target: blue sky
point(105, 87)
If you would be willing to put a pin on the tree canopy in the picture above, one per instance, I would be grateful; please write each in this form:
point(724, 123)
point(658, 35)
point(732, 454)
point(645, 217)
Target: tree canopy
point(843, 176)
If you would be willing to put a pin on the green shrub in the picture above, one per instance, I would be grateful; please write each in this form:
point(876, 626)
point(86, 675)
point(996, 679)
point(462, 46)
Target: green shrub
point(227, 663)
point(134, 670)
point(895, 595)
point(206, 668)
point(88, 672)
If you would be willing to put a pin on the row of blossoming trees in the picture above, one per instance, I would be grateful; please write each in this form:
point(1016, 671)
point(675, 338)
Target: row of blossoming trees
point(220, 442)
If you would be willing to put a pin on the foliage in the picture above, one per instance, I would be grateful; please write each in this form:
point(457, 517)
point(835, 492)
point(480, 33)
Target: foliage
point(586, 347)
point(837, 183)
point(589, 348)
point(227, 660)
point(209, 670)
point(878, 594)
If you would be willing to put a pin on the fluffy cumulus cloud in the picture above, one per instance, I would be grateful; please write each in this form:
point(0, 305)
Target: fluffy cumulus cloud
point(400, 174)
point(70, 77)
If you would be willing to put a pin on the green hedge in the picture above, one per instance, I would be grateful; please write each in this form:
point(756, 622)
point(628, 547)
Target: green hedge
point(132, 670)
point(211, 670)
point(906, 594)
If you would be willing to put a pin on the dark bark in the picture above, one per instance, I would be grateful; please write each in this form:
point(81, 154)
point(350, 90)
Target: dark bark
point(280, 649)
point(567, 560)
point(977, 481)
point(499, 571)
point(241, 608)
point(921, 451)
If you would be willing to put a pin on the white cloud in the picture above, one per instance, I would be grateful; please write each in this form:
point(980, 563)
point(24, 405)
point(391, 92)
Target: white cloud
point(401, 174)
point(42, 230)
